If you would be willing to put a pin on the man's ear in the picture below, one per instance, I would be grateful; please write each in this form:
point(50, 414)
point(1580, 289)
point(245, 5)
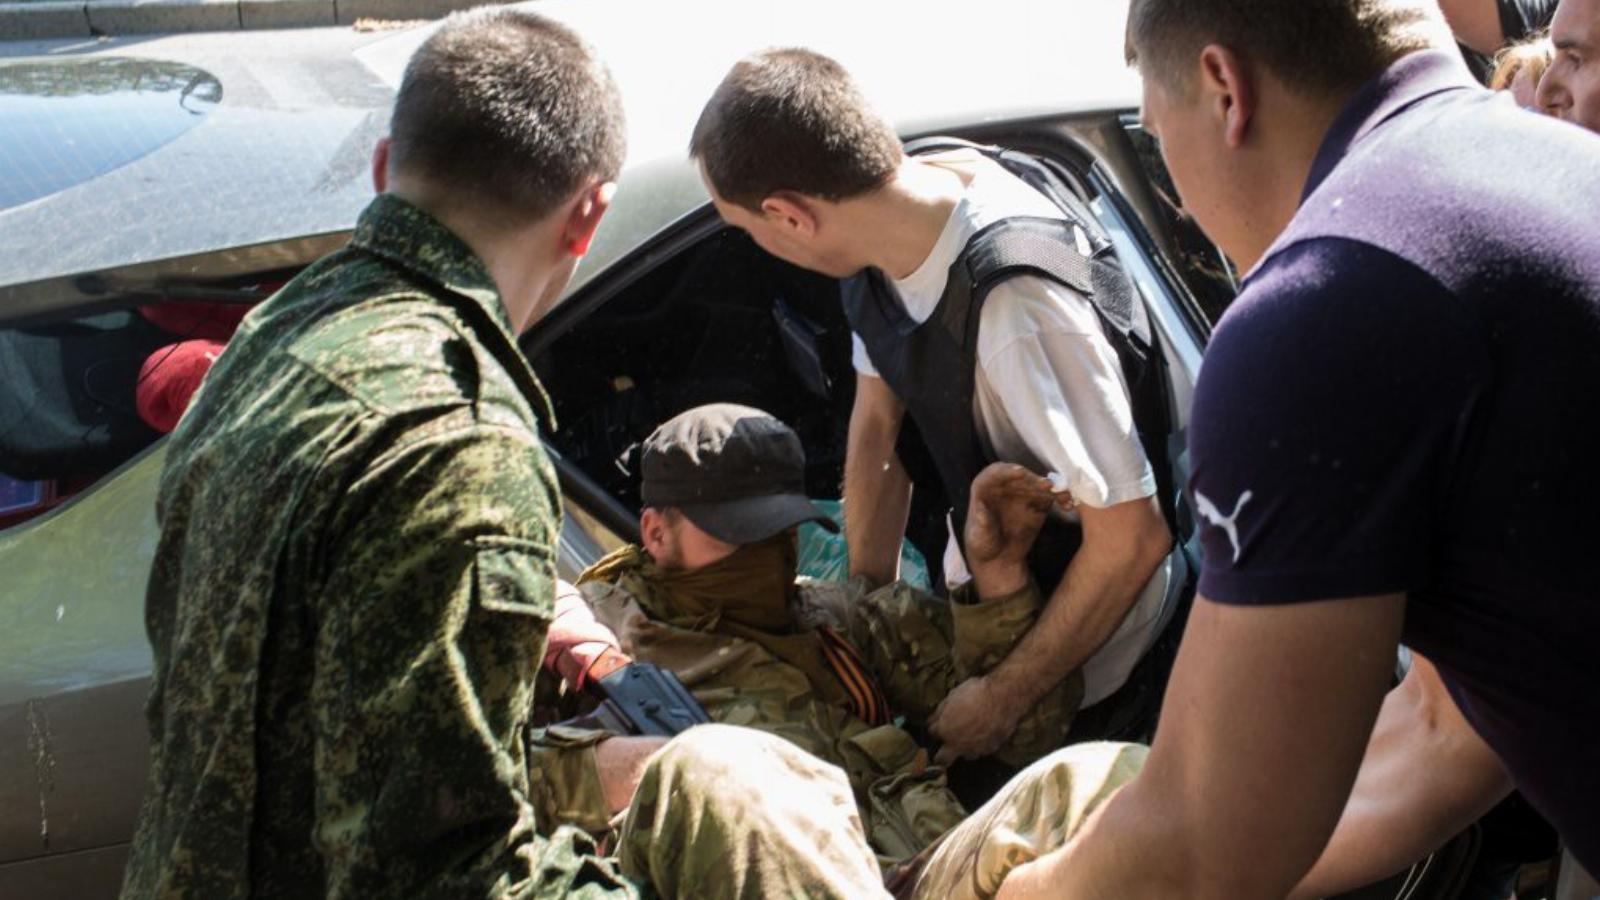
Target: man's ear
point(793, 212)
point(1228, 87)
point(591, 206)
point(380, 164)
point(652, 531)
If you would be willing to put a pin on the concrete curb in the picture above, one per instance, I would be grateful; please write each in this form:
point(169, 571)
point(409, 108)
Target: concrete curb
point(37, 19)
point(28, 21)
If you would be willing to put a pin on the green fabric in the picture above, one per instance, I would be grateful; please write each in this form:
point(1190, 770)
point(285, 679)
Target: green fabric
point(902, 798)
point(350, 594)
point(745, 595)
point(1038, 811)
point(733, 813)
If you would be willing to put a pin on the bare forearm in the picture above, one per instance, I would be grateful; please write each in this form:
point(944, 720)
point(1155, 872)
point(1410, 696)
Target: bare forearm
point(1262, 732)
point(621, 761)
point(1426, 775)
point(877, 495)
point(1113, 851)
point(999, 579)
point(1101, 584)
point(1475, 23)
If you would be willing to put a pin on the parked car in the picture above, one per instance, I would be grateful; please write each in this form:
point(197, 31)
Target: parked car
point(670, 309)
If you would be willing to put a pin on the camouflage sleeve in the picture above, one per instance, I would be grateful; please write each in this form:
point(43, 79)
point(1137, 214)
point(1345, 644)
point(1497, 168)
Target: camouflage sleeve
point(920, 646)
point(430, 630)
point(984, 631)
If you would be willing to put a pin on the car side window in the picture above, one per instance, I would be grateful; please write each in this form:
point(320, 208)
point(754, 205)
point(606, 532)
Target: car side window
point(718, 321)
point(1205, 271)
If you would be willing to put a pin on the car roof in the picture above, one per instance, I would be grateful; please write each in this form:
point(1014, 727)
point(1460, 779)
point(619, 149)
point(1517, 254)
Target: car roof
point(260, 170)
point(926, 68)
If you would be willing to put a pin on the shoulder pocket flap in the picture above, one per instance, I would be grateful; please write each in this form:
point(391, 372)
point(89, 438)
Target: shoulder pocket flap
point(516, 576)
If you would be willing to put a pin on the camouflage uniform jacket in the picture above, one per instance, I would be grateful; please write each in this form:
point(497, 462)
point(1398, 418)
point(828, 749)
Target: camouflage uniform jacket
point(918, 647)
point(350, 596)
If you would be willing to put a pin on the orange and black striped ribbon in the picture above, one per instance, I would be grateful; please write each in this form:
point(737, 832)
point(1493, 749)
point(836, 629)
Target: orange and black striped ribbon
point(866, 698)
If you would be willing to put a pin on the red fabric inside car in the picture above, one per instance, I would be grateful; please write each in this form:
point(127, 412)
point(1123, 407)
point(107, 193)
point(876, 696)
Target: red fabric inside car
point(210, 321)
point(169, 378)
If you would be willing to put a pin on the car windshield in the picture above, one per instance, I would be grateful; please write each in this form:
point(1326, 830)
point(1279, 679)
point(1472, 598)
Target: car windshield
point(69, 122)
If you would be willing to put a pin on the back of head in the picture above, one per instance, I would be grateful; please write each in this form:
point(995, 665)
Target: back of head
point(792, 120)
point(1312, 46)
point(509, 111)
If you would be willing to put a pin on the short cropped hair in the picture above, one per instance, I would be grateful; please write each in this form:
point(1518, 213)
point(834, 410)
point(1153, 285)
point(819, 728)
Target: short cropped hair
point(792, 120)
point(510, 110)
point(1318, 46)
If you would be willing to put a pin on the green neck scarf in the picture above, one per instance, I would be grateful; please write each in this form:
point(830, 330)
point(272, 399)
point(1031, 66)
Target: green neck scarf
point(745, 595)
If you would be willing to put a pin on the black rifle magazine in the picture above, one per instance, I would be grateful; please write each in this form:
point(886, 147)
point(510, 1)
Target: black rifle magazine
point(650, 699)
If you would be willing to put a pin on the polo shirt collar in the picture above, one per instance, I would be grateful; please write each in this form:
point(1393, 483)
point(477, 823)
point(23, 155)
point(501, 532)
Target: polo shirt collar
point(1412, 78)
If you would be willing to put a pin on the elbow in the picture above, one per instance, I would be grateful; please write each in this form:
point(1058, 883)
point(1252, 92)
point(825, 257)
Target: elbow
point(1130, 542)
point(1151, 543)
point(1154, 544)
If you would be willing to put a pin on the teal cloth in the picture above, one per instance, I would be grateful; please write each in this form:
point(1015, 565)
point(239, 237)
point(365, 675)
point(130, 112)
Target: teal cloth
point(826, 557)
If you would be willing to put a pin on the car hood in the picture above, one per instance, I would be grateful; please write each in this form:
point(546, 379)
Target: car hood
point(276, 172)
point(122, 160)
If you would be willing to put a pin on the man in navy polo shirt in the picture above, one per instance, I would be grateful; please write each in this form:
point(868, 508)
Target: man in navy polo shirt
point(1393, 439)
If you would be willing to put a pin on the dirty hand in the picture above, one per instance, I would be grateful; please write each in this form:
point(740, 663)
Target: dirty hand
point(1007, 509)
point(974, 720)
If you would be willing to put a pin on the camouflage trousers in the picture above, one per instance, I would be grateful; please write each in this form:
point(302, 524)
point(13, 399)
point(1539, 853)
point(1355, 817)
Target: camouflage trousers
point(732, 812)
point(1038, 810)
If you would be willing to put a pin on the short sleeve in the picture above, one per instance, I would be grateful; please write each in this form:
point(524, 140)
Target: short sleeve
point(859, 358)
point(1051, 393)
point(1325, 424)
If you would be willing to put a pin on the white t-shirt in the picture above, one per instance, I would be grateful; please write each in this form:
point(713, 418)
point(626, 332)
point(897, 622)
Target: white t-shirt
point(1049, 392)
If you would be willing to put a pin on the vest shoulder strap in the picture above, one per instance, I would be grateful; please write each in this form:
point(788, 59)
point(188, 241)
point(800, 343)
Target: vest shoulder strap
point(1048, 248)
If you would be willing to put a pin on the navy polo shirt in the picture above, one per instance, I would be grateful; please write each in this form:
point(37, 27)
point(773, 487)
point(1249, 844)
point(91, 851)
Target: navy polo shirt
point(1405, 398)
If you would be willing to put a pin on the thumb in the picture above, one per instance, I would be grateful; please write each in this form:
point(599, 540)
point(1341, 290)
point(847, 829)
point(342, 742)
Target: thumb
point(946, 756)
point(981, 515)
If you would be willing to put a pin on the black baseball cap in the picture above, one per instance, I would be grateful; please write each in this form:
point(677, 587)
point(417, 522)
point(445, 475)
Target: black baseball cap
point(736, 472)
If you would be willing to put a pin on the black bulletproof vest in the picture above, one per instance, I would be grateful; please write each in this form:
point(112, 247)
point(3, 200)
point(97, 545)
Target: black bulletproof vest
point(932, 366)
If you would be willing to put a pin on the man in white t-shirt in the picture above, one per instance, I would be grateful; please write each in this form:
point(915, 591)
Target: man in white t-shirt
point(792, 154)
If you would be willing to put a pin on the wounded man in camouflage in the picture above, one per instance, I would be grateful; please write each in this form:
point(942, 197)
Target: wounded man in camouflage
point(712, 596)
point(358, 524)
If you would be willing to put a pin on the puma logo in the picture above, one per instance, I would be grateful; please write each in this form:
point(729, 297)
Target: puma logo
point(1229, 524)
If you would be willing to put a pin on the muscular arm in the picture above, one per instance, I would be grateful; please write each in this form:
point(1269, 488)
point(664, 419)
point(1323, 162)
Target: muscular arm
point(1475, 23)
point(877, 491)
point(1059, 386)
point(1262, 732)
point(1122, 545)
point(1121, 548)
point(1426, 775)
